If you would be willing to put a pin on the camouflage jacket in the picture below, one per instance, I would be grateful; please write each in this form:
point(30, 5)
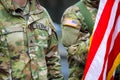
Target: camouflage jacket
point(28, 46)
point(75, 37)
point(73, 24)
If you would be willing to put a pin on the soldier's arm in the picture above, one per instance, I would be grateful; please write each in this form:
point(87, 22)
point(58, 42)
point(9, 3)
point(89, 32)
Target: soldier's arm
point(52, 55)
point(72, 23)
point(53, 59)
point(70, 26)
point(4, 72)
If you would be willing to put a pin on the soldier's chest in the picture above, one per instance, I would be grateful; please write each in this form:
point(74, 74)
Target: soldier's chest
point(20, 36)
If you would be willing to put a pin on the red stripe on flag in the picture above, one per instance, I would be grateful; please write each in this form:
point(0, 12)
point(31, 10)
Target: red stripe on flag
point(115, 51)
point(98, 34)
point(108, 46)
point(116, 48)
point(106, 54)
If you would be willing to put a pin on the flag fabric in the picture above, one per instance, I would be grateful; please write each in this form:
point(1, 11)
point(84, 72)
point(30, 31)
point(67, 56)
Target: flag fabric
point(104, 52)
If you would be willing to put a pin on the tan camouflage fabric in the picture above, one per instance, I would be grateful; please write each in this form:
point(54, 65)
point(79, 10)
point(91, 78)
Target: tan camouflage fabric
point(75, 37)
point(28, 44)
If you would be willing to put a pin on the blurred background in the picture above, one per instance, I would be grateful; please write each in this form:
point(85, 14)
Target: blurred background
point(56, 7)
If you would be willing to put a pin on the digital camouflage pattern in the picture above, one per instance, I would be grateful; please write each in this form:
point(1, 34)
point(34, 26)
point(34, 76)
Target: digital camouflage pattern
point(75, 37)
point(28, 44)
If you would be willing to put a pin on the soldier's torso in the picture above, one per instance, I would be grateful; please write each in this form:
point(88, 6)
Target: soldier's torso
point(75, 37)
point(22, 47)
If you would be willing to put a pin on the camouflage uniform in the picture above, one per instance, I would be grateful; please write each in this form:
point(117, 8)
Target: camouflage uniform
point(75, 37)
point(28, 43)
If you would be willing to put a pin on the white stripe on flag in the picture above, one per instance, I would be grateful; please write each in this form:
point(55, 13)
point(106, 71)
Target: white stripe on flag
point(115, 34)
point(98, 61)
point(110, 25)
point(100, 10)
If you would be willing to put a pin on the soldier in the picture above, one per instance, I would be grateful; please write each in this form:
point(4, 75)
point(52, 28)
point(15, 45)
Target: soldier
point(77, 23)
point(28, 42)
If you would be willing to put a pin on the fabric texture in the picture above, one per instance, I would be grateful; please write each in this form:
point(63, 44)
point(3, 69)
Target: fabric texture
point(28, 44)
point(75, 37)
point(103, 57)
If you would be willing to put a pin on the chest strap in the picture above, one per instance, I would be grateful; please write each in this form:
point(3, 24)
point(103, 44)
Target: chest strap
point(87, 15)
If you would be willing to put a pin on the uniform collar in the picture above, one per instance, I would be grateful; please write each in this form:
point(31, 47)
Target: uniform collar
point(30, 8)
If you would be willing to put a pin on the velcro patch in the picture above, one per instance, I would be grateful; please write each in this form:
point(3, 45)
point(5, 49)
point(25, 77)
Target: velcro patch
point(71, 23)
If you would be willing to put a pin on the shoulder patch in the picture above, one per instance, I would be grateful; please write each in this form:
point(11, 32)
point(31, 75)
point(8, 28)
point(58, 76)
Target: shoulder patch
point(71, 23)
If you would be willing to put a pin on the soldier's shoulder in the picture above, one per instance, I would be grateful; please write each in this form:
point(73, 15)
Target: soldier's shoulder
point(47, 18)
point(70, 14)
point(71, 9)
point(44, 10)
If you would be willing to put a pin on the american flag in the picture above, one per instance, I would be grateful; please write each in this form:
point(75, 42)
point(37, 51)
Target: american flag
point(104, 52)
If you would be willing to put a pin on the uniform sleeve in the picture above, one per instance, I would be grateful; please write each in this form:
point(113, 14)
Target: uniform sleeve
point(53, 60)
point(73, 18)
point(70, 18)
point(74, 37)
point(52, 56)
point(70, 25)
point(4, 71)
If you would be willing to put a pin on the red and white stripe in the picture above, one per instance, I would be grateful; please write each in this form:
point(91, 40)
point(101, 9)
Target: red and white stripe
point(104, 37)
point(114, 56)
